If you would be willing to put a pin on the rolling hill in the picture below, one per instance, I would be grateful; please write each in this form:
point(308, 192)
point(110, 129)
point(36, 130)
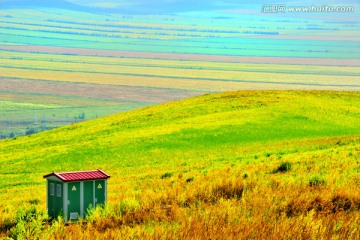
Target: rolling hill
point(204, 166)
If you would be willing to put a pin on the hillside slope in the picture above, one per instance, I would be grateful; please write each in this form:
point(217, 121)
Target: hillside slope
point(149, 150)
point(204, 129)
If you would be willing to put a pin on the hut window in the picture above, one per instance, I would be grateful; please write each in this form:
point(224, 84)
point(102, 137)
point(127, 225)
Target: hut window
point(52, 189)
point(58, 190)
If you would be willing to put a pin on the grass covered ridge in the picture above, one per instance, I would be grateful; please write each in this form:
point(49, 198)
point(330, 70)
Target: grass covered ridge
point(244, 164)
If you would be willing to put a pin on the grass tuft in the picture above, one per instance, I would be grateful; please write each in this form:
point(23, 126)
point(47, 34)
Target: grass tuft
point(283, 167)
point(167, 175)
point(190, 179)
point(316, 181)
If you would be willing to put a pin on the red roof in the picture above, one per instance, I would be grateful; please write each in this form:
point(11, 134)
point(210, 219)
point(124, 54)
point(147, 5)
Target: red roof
point(80, 176)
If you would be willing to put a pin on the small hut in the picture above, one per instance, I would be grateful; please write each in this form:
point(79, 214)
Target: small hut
point(71, 193)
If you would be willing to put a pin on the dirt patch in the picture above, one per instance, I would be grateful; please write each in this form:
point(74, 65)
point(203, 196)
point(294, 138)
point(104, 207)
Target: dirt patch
point(98, 91)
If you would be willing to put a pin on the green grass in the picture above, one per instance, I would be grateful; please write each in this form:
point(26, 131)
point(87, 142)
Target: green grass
point(199, 131)
point(175, 153)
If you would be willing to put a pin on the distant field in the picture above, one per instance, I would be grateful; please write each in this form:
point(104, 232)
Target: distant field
point(218, 59)
point(179, 34)
point(29, 113)
point(129, 61)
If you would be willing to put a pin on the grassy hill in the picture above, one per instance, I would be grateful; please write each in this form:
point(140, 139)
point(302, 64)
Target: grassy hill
point(254, 164)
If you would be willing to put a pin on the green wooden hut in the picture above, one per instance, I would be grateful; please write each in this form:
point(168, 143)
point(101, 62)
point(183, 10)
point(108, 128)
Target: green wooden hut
point(71, 193)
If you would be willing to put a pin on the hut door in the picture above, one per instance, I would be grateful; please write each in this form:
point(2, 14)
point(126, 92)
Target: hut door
point(74, 200)
point(88, 195)
point(99, 192)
